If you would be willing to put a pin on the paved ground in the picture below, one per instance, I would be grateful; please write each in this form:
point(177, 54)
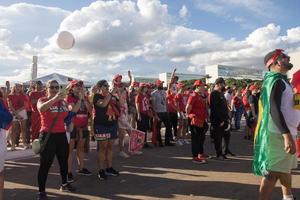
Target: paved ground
point(160, 173)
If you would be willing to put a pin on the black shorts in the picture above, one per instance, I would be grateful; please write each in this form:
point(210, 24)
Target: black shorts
point(76, 133)
point(144, 124)
point(104, 133)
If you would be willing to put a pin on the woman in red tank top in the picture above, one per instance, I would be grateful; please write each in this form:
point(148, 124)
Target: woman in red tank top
point(54, 107)
point(80, 133)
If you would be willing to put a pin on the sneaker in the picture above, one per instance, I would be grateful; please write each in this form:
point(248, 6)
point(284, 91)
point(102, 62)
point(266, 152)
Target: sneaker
point(136, 153)
point(84, 172)
point(123, 154)
point(186, 141)
point(179, 142)
point(67, 188)
point(27, 146)
point(42, 196)
point(230, 153)
point(70, 178)
point(8, 144)
point(13, 148)
point(198, 160)
point(204, 156)
point(111, 172)
point(221, 157)
point(102, 175)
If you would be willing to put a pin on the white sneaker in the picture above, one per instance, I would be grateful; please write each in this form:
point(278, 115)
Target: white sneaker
point(136, 153)
point(123, 154)
point(179, 142)
point(186, 141)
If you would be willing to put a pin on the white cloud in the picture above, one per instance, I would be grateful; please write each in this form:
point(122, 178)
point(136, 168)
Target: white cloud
point(113, 36)
point(183, 12)
point(24, 21)
point(267, 37)
point(293, 35)
point(4, 34)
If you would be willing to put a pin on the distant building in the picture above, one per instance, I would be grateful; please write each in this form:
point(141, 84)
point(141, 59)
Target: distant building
point(142, 79)
point(295, 60)
point(225, 71)
point(61, 79)
point(167, 76)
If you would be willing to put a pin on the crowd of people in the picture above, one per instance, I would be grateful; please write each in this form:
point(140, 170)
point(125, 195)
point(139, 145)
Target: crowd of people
point(73, 116)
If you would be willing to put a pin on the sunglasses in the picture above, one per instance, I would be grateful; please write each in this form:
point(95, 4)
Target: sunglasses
point(105, 85)
point(54, 87)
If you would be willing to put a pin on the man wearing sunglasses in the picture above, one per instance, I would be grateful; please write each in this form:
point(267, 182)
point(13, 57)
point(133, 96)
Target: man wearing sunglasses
point(274, 146)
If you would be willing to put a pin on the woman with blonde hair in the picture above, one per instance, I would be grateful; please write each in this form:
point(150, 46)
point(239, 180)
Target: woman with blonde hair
point(80, 132)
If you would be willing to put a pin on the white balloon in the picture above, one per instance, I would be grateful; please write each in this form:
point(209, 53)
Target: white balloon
point(65, 40)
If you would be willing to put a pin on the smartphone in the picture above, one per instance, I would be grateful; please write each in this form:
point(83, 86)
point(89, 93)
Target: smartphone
point(63, 90)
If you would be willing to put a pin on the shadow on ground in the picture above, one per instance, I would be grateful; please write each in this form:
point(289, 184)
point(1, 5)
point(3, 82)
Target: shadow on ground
point(159, 173)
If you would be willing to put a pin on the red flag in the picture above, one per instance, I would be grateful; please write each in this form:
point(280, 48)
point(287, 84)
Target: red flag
point(137, 139)
point(154, 132)
point(298, 147)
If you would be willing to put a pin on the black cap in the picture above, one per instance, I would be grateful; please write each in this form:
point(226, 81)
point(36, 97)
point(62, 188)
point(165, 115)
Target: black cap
point(219, 80)
point(39, 82)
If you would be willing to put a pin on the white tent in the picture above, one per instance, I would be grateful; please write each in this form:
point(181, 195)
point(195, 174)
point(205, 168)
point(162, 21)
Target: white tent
point(62, 79)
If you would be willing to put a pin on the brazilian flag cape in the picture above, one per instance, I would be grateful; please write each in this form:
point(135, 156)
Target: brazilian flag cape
point(266, 142)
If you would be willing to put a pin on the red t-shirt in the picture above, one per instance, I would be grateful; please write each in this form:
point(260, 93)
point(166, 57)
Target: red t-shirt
point(81, 119)
point(171, 102)
point(48, 116)
point(199, 107)
point(143, 103)
point(17, 100)
point(182, 101)
point(237, 102)
point(246, 103)
point(35, 95)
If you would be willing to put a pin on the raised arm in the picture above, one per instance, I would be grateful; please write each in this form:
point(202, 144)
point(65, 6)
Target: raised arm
point(43, 106)
point(172, 79)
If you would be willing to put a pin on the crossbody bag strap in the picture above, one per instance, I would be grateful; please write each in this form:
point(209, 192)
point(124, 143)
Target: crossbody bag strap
point(49, 132)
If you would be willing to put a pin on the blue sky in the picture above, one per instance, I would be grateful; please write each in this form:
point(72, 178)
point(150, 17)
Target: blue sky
point(146, 36)
point(286, 17)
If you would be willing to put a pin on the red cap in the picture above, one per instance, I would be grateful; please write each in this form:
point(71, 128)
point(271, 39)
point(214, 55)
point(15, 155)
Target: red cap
point(253, 87)
point(180, 85)
point(158, 82)
point(76, 82)
point(143, 85)
point(199, 83)
point(135, 84)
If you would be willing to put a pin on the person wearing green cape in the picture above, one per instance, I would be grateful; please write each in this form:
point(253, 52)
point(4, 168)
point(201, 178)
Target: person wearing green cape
point(274, 145)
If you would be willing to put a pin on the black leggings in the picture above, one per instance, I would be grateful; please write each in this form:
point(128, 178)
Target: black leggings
point(198, 138)
point(56, 145)
point(174, 122)
point(144, 124)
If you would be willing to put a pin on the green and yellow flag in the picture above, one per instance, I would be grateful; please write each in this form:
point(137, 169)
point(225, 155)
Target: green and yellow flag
point(266, 142)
